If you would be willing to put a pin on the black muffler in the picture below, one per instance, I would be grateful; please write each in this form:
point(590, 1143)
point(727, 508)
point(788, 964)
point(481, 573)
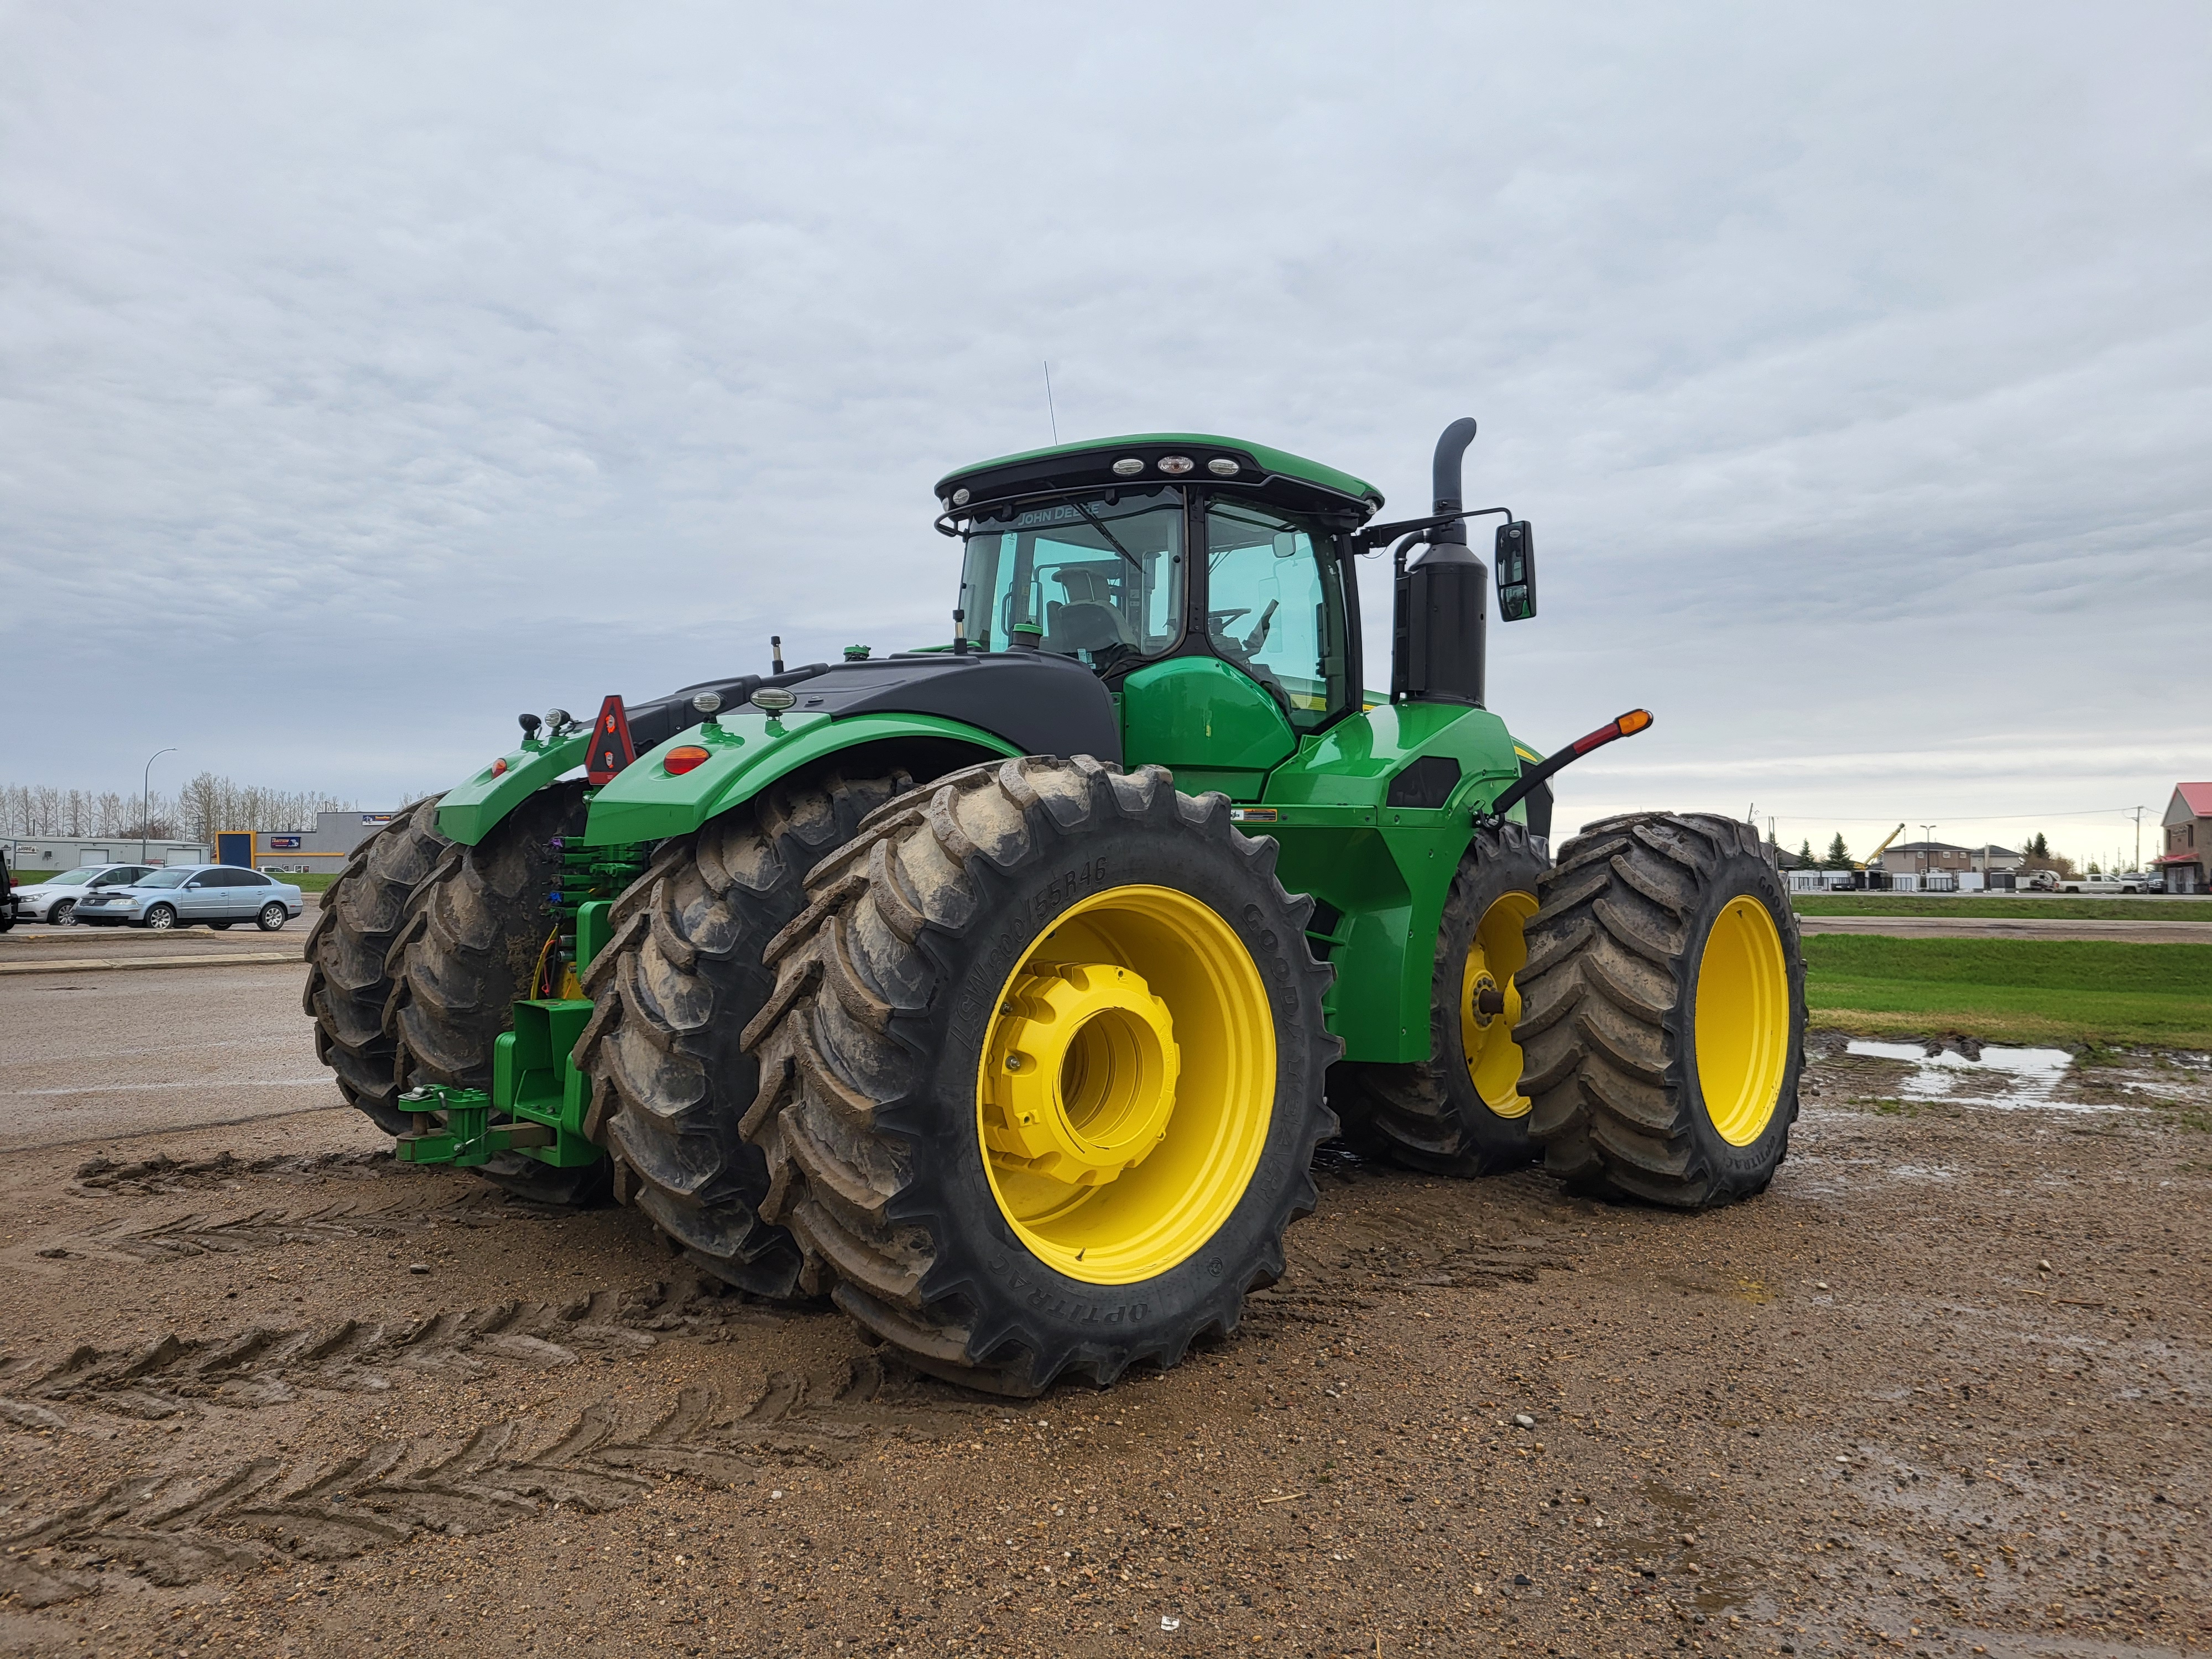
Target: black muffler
point(1442, 609)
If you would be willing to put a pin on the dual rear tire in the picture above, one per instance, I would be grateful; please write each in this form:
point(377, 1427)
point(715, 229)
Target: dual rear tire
point(1646, 1009)
point(1042, 1077)
point(1662, 1019)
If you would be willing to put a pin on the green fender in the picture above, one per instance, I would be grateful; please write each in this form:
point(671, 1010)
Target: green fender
point(747, 750)
point(1384, 871)
point(472, 807)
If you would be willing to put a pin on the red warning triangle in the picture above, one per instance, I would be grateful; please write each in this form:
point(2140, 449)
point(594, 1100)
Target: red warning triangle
point(611, 749)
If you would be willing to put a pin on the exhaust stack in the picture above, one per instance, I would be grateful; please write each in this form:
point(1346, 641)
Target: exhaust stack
point(1443, 607)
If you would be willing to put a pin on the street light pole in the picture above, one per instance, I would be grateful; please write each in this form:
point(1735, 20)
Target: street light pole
point(146, 797)
point(1927, 835)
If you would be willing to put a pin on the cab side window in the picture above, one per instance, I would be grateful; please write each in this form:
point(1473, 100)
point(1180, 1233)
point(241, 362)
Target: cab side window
point(1275, 607)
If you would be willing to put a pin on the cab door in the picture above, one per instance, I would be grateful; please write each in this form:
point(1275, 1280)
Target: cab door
point(1266, 659)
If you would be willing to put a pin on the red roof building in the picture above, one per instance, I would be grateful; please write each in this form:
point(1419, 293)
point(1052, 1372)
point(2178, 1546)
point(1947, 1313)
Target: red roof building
point(2188, 858)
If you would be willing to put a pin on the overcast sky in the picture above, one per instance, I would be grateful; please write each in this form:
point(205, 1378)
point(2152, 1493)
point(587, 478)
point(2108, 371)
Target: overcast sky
point(368, 374)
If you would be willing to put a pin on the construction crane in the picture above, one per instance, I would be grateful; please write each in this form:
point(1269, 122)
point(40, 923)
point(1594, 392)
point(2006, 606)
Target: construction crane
point(1880, 850)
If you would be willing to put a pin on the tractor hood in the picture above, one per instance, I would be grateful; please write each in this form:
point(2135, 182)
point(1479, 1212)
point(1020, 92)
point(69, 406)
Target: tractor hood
point(955, 709)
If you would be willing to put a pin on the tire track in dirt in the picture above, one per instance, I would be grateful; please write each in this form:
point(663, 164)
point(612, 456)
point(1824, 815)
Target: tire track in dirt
point(265, 1228)
point(177, 1527)
point(175, 1375)
point(1439, 1247)
point(155, 1176)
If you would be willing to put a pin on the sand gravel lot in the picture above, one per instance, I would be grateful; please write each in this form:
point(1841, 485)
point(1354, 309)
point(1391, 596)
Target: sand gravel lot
point(1942, 1390)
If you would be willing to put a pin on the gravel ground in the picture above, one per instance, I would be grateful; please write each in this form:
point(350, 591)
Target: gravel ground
point(1942, 1390)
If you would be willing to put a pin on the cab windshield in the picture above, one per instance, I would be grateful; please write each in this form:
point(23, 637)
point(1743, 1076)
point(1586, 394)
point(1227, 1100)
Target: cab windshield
point(76, 877)
point(1100, 577)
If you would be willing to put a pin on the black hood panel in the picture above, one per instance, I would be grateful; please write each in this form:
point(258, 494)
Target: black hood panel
point(1041, 703)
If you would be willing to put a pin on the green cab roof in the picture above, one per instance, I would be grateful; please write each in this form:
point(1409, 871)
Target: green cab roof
point(1091, 462)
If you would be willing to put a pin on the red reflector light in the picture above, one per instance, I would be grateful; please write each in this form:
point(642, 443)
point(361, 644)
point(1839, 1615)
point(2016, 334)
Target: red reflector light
point(681, 760)
point(499, 766)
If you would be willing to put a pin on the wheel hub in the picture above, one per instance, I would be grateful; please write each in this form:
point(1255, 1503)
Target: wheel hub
point(1082, 1068)
point(1485, 1001)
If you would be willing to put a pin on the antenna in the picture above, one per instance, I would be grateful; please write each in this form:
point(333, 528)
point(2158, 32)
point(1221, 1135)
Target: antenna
point(1048, 409)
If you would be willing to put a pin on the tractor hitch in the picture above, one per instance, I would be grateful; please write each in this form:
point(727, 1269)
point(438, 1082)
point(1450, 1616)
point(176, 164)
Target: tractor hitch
point(536, 1105)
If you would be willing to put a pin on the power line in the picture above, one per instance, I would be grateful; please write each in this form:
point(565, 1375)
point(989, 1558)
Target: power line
point(1984, 817)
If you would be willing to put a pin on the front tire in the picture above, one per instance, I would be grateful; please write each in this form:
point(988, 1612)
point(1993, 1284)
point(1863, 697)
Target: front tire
point(1461, 1111)
point(677, 982)
point(161, 918)
point(1042, 1076)
point(1663, 1020)
point(61, 913)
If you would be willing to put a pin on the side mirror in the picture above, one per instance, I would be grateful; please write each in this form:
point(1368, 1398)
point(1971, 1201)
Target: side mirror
point(1517, 571)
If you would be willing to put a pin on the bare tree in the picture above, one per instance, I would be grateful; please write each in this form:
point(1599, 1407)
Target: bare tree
point(206, 805)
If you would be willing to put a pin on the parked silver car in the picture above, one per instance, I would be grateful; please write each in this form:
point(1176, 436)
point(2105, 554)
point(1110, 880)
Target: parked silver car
point(185, 895)
point(54, 898)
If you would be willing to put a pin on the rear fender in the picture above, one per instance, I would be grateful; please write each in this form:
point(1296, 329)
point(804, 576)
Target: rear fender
point(471, 808)
point(748, 750)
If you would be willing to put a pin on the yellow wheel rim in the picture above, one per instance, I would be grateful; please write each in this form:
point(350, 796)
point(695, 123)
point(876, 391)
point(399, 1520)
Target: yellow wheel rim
point(1126, 1086)
point(1490, 1004)
point(1742, 1021)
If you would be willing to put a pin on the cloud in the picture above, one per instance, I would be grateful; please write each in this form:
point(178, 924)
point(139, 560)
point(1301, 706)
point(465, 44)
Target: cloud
point(366, 377)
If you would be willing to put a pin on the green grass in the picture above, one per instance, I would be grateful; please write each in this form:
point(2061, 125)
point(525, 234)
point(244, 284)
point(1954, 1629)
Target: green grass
point(2058, 908)
point(2043, 991)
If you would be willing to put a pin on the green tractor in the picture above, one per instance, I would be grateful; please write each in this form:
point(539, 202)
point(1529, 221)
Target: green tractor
point(1001, 990)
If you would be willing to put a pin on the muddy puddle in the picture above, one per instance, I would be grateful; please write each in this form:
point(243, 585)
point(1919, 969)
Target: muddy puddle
point(2006, 1078)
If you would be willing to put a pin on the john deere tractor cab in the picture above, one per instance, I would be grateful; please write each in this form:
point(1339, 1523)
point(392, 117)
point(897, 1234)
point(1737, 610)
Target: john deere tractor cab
point(1001, 989)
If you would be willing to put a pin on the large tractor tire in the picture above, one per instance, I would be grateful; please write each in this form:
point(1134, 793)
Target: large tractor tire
point(1662, 1016)
point(468, 948)
point(677, 982)
point(1461, 1112)
point(1042, 1075)
point(349, 982)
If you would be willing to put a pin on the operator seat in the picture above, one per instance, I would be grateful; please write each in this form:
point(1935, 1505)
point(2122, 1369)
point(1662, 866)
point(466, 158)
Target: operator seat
point(1087, 620)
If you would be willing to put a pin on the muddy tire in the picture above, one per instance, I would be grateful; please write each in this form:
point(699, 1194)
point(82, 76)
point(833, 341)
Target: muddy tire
point(465, 952)
point(678, 981)
point(907, 996)
point(348, 983)
point(1663, 1021)
point(1461, 1112)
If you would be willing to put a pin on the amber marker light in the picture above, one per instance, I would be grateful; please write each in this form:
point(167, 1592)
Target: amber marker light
point(685, 758)
point(1626, 726)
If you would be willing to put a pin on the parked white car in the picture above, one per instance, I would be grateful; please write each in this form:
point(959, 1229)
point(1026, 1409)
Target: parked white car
point(55, 899)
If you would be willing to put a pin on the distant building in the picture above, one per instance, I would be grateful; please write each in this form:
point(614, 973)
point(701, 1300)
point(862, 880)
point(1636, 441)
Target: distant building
point(1921, 857)
point(325, 848)
point(64, 853)
point(2187, 860)
point(1783, 859)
